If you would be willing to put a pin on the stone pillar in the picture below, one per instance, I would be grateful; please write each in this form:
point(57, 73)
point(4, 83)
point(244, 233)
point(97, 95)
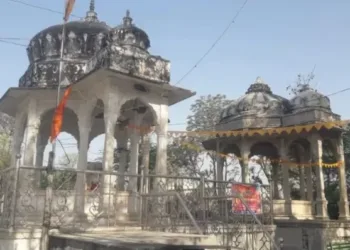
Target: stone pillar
point(220, 163)
point(321, 203)
point(134, 159)
point(245, 151)
point(302, 178)
point(145, 162)
point(40, 149)
point(343, 201)
point(285, 170)
point(162, 141)
point(84, 123)
point(30, 177)
point(309, 184)
point(122, 142)
point(30, 140)
point(110, 118)
point(19, 128)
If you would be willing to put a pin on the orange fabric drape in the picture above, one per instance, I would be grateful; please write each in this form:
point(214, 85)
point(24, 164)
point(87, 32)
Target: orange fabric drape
point(68, 9)
point(58, 116)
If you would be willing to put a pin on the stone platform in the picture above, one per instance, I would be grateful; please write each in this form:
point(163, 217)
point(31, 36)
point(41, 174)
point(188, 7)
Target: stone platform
point(132, 238)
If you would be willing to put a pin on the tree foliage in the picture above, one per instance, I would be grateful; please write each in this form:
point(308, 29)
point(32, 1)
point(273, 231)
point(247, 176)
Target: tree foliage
point(205, 115)
point(206, 112)
point(300, 83)
point(62, 179)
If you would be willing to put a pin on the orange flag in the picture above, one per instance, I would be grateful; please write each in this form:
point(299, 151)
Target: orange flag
point(58, 116)
point(68, 10)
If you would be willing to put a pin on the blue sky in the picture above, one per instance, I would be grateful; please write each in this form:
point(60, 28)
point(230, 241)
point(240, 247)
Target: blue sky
point(272, 39)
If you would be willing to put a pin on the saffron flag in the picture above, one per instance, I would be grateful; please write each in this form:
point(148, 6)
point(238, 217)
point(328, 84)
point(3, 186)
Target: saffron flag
point(68, 9)
point(58, 116)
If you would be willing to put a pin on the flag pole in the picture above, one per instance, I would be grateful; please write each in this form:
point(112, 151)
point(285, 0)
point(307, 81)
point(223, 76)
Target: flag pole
point(54, 143)
point(46, 224)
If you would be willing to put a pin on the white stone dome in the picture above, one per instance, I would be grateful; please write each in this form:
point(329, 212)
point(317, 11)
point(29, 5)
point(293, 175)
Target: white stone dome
point(309, 98)
point(258, 100)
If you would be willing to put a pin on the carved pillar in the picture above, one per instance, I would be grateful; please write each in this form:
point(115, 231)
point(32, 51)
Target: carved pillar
point(145, 162)
point(122, 142)
point(302, 178)
point(321, 203)
point(285, 170)
point(220, 163)
point(162, 141)
point(32, 177)
point(245, 152)
point(30, 140)
point(309, 185)
point(40, 149)
point(84, 123)
point(111, 112)
point(134, 157)
point(17, 138)
point(343, 201)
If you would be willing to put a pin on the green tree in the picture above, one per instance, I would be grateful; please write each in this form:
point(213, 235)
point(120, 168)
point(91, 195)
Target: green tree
point(63, 179)
point(205, 116)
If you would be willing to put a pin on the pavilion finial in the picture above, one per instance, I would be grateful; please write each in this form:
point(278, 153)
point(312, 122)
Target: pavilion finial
point(259, 80)
point(127, 20)
point(92, 5)
point(91, 15)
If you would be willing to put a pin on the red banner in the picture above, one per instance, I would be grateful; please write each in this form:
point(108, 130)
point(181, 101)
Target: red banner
point(251, 196)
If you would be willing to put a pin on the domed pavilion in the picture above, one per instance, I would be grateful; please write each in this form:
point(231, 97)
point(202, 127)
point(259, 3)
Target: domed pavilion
point(118, 88)
point(261, 123)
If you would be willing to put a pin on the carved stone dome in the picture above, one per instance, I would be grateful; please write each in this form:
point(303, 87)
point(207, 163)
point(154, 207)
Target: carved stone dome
point(82, 39)
point(309, 98)
point(128, 34)
point(259, 101)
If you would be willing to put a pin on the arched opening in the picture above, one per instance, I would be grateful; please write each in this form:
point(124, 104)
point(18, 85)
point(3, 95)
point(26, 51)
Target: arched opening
point(264, 166)
point(232, 170)
point(299, 152)
point(137, 118)
point(330, 175)
point(66, 151)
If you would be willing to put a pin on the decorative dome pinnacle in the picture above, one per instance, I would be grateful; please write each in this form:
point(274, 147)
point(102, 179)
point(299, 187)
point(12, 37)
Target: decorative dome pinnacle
point(259, 80)
point(91, 15)
point(127, 20)
point(259, 86)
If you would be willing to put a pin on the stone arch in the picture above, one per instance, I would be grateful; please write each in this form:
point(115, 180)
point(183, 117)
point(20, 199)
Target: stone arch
point(142, 107)
point(69, 124)
point(70, 131)
point(299, 152)
point(232, 163)
point(97, 119)
point(268, 167)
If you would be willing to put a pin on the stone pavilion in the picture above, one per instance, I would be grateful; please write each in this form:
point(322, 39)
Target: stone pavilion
point(260, 108)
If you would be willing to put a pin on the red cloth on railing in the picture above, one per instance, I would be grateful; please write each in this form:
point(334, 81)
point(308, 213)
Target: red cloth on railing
point(93, 187)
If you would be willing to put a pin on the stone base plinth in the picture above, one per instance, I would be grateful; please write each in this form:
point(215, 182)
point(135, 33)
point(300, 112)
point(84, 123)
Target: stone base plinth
point(311, 234)
point(293, 209)
point(20, 239)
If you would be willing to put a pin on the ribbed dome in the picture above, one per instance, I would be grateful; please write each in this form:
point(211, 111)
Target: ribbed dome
point(309, 98)
point(83, 38)
point(128, 34)
point(258, 100)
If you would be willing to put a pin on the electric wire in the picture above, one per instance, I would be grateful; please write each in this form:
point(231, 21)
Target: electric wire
point(41, 8)
point(12, 43)
point(213, 45)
